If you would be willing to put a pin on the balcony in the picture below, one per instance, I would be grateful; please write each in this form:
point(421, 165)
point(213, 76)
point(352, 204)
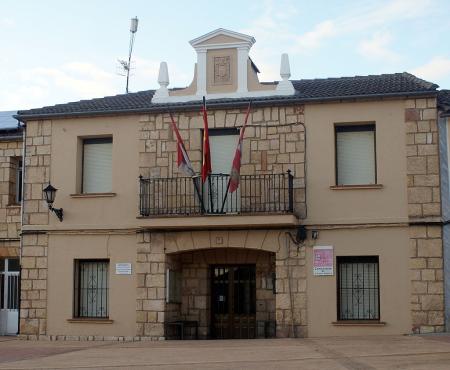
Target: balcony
point(186, 196)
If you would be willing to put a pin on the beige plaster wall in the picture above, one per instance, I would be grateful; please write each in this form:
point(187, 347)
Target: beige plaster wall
point(90, 212)
point(253, 83)
point(62, 251)
point(220, 39)
point(385, 205)
point(392, 247)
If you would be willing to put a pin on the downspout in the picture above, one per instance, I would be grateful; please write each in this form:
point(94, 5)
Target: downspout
point(445, 205)
point(24, 145)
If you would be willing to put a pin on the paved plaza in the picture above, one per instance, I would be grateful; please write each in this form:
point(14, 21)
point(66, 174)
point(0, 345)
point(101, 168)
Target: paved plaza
point(357, 353)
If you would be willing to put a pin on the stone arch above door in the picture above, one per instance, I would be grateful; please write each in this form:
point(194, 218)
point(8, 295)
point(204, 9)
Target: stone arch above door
point(176, 242)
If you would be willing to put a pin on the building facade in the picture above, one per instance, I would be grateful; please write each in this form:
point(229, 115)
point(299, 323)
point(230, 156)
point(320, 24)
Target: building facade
point(10, 221)
point(336, 227)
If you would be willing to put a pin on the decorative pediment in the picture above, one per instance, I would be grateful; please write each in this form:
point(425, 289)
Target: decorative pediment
point(222, 38)
point(223, 70)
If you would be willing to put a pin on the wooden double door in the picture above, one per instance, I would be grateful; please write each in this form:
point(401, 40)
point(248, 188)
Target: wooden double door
point(233, 295)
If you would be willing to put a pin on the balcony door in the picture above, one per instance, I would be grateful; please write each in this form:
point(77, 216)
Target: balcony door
point(223, 146)
point(233, 295)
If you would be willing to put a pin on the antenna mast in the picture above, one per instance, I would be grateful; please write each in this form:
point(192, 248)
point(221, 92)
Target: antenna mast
point(123, 63)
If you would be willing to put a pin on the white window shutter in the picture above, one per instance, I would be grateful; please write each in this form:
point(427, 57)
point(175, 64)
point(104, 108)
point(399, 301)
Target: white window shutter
point(355, 152)
point(222, 149)
point(97, 167)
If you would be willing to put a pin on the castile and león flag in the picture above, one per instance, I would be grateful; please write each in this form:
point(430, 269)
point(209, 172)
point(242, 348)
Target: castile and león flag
point(183, 161)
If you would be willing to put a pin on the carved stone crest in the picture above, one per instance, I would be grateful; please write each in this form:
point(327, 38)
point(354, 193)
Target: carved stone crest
point(222, 70)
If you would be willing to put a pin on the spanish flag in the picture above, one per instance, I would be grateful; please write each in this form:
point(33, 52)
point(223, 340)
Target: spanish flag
point(206, 160)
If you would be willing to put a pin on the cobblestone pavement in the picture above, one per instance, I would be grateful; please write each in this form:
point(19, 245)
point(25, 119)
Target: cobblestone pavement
point(357, 353)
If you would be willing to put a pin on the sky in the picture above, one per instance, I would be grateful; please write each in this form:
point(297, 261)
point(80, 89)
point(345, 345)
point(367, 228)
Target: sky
point(57, 51)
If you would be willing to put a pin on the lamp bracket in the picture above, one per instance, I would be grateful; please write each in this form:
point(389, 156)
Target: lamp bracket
point(58, 212)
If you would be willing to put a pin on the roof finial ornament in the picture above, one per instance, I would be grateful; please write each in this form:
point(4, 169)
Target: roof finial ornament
point(285, 86)
point(163, 80)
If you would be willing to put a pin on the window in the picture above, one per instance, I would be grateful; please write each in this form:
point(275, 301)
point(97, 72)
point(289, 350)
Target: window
point(173, 286)
point(358, 288)
point(355, 155)
point(223, 144)
point(91, 288)
point(97, 165)
point(19, 181)
point(15, 180)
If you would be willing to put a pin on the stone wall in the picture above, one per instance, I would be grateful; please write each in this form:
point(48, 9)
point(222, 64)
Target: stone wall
point(291, 298)
point(274, 142)
point(33, 312)
point(424, 209)
point(150, 269)
point(193, 252)
point(196, 284)
point(10, 222)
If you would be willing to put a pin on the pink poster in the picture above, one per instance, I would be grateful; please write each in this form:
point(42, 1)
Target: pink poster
point(323, 260)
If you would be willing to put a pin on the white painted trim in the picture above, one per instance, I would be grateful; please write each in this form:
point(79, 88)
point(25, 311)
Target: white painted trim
point(242, 58)
point(232, 95)
point(201, 72)
point(222, 31)
point(226, 45)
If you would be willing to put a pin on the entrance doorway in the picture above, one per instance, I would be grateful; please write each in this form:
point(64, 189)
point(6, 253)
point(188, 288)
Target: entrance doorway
point(9, 296)
point(233, 301)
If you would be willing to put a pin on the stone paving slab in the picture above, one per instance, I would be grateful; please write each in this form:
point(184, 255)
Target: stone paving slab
point(355, 353)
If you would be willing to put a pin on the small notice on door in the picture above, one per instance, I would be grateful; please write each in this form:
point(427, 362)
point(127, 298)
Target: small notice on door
point(123, 268)
point(323, 261)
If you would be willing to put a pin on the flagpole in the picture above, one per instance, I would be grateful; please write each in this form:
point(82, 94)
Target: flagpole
point(240, 138)
point(197, 190)
point(226, 195)
point(205, 122)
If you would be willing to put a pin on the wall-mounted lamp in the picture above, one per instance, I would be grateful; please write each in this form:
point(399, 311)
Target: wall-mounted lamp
point(49, 194)
point(315, 234)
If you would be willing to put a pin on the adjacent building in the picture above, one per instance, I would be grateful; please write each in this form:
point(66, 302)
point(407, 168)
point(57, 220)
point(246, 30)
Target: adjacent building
point(336, 227)
point(10, 220)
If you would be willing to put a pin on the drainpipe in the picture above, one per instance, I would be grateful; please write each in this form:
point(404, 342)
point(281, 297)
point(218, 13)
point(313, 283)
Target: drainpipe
point(445, 205)
point(24, 136)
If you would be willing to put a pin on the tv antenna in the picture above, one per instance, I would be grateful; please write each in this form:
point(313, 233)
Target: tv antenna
point(124, 64)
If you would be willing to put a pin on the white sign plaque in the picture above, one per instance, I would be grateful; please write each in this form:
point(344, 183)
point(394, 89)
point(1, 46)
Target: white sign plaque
point(123, 268)
point(323, 261)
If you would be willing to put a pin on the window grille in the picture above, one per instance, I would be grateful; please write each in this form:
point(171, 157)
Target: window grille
point(91, 288)
point(358, 288)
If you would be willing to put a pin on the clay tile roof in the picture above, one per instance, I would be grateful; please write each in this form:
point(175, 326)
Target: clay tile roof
point(307, 90)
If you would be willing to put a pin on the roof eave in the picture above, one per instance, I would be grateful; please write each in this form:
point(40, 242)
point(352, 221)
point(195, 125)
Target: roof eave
point(225, 104)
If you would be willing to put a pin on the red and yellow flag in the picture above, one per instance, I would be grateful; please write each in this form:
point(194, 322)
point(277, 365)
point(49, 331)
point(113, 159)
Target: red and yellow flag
point(236, 167)
point(206, 160)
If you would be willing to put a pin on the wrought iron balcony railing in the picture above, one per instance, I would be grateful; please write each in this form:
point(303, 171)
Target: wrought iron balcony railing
point(271, 193)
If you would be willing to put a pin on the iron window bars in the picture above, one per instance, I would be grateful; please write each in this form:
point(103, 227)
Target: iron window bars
point(91, 289)
point(358, 289)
